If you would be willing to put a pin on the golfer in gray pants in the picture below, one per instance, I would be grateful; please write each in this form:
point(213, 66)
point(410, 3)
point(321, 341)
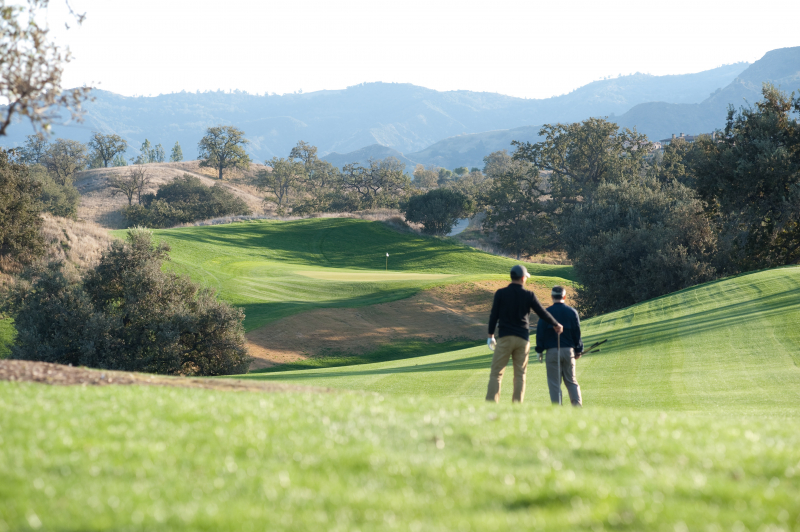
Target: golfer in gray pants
point(547, 341)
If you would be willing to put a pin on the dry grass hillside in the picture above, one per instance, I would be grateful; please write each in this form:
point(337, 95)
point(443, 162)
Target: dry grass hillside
point(99, 206)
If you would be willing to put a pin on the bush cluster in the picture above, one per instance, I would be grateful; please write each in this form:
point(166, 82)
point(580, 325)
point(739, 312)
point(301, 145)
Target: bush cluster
point(184, 200)
point(126, 314)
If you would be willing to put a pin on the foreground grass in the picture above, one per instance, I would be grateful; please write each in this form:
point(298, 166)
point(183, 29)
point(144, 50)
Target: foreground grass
point(726, 346)
point(275, 269)
point(147, 458)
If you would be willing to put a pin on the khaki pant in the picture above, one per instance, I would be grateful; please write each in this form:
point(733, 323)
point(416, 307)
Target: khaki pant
point(567, 373)
point(516, 349)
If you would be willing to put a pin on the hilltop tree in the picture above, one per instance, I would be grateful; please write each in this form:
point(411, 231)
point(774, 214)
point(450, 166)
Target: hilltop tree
point(107, 147)
point(119, 160)
point(177, 154)
point(35, 149)
point(438, 210)
point(382, 183)
point(30, 69)
point(65, 157)
point(425, 178)
point(461, 171)
point(158, 155)
point(20, 240)
point(283, 180)
point(145, 153)
point(223, 147)
point(132, 183)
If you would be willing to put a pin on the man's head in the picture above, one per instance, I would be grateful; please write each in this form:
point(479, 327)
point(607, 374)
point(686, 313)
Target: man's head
point(519, 274)
point(559, 294)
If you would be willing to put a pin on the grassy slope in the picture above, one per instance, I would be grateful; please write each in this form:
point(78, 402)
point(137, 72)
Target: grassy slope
point(144, 458)
point(255, 264)
point(7, 334)
point(730, 345)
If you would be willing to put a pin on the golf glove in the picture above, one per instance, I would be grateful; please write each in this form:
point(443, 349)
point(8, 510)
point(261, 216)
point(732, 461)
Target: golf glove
point(491, 343)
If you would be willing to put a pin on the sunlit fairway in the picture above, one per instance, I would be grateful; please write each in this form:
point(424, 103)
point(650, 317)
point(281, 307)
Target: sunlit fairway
point(274, 269)
point(727, 346)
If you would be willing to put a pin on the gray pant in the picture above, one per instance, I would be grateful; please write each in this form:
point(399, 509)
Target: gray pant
point(567, 373)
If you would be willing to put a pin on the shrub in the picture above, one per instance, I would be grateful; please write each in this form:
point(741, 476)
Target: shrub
point(638, 240)
point(184, 200)
point(58, 200)
point(438, 210)
point(20, 241)
point(126, 314)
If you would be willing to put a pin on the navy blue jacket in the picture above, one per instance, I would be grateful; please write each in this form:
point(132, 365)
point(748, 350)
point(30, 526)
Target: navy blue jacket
point(571, 337)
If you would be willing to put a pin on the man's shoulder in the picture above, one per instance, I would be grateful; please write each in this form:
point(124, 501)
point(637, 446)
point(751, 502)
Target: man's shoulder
point(560, 308)
point(505, 289)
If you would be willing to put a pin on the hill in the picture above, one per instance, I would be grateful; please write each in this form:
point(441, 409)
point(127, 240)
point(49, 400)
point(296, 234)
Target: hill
point(661, 119)
point(362, 156)
point(100, 206)
point(403, 117)
point(718, 347)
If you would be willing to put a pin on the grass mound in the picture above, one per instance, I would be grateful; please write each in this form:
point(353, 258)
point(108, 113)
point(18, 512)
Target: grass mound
point(727, 345)
point(148, 458)
point(275, 269)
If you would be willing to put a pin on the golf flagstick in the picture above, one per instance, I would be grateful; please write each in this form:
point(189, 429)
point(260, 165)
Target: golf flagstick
point(558, 343)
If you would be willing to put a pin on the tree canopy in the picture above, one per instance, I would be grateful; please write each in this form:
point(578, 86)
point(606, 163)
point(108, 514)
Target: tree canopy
point(223, 147)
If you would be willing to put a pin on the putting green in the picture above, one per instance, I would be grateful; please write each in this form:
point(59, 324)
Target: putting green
point(729, 345)
point(367, 276)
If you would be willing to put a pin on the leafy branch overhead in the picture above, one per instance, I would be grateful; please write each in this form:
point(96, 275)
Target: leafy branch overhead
point(31, 68)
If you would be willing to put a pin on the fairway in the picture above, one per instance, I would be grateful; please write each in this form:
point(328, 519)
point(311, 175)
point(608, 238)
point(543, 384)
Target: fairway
point(364, 276)
point(728, 346)
point(274, 269)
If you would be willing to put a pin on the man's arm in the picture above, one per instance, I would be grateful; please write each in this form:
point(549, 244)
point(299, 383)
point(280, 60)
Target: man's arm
point(543, 314)
point(577, 341)
point(539, 337)
point(494, 314)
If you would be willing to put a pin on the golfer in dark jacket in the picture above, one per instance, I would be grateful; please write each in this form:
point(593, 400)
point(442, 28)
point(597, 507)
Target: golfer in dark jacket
point(571, 347)
point(511, 309)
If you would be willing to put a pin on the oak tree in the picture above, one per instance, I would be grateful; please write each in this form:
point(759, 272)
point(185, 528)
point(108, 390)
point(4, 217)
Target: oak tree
point(223, 147)
point(107, 147)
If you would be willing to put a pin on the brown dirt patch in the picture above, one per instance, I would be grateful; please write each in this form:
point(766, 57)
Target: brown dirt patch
point(435, 315)
point(57, 374)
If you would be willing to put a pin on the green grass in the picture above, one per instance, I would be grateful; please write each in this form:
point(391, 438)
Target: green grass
point(146, 458)
point(7, 334)
point(727, 346)
point(265, 266)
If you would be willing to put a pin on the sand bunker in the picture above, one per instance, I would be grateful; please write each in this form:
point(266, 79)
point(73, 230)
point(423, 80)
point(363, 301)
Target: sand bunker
point(436, 315)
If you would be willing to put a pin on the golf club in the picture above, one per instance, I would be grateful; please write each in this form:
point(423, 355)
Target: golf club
point(558, 355)
point(594, 347)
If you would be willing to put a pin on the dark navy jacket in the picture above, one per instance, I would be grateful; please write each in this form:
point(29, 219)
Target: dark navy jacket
point(571, 337)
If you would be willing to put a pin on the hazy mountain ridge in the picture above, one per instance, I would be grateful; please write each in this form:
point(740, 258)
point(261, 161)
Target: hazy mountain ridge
point(403, 117)
point(659, 120)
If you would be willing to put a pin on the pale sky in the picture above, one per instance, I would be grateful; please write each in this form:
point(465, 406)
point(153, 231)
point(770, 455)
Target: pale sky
point(528, 49)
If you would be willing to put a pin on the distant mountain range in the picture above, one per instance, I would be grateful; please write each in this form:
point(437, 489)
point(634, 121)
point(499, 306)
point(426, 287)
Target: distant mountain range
point(419, 125)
